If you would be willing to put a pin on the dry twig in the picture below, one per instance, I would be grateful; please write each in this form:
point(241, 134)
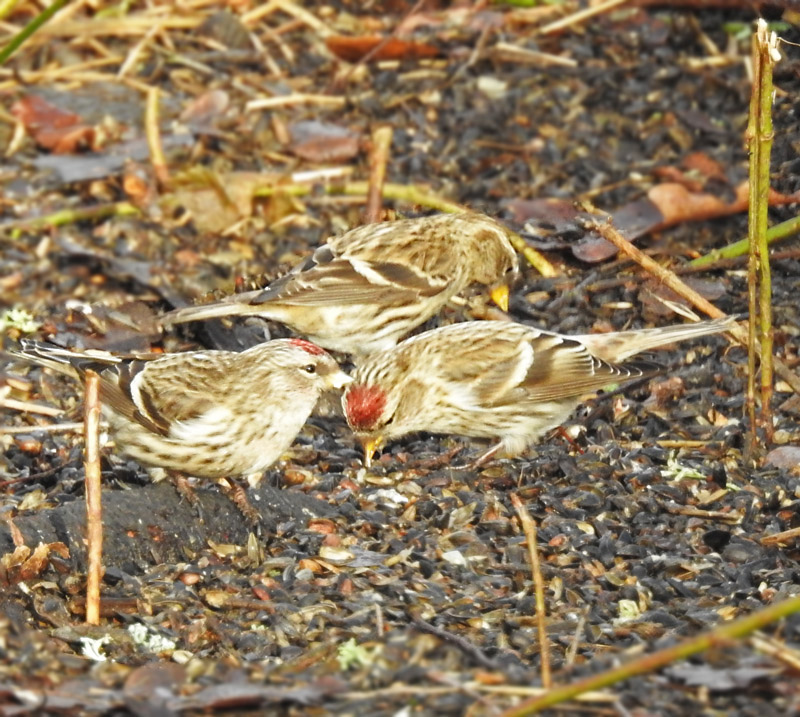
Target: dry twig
point(51, 428)
point(580, 16)
point(157, 158)
point(27, 407)
point(529, 528)
point(94, 512)
point(467, 646)
point(670, 279)
point(379, 156)
point(759, 138)
point(785, 536)
point(649, 663)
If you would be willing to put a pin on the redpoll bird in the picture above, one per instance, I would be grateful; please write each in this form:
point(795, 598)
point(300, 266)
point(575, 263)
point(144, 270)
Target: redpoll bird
point(493, 379)
point(210, 414)
point(363, 291)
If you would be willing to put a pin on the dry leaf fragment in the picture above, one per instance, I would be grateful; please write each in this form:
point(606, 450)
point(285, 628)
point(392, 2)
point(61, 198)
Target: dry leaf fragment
point(666, 205)
point(787, 457)
point(24, 564)
point(323, 142)
point(203, 110)
point(355, 49)
point(51, 127)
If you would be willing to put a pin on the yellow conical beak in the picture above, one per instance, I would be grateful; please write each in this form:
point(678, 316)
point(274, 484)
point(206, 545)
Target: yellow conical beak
point(338, 380)
point(370, 444)
point(500, 296)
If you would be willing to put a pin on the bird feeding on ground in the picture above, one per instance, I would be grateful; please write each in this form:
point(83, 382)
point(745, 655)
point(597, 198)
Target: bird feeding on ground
point(364, 290)
point(209, 414)
point(494, 379)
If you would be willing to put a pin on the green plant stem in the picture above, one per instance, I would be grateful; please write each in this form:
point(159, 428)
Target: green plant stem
point(764, 44)
point(780, 231)
point(717, 637)
point(7, 7)
point(70, 216)
point(16, 42)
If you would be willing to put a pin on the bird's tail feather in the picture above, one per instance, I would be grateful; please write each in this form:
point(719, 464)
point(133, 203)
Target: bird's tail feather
point(60, 359)
point(620, 346)
point(217, 310)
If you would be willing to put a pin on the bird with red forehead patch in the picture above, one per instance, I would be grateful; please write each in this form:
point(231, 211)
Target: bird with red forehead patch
point(209, 414)
point(364, 406)
point(308, 347)
point(494, 379)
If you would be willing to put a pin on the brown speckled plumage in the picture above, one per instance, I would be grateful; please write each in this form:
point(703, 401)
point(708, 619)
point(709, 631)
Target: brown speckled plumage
point(363, 291)
point(494, 379)
point(205, 413)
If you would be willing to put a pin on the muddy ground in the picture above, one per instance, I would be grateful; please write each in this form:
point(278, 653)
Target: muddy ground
point(405, 588)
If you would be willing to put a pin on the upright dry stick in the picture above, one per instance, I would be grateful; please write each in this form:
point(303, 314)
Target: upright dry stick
point(378, 158)
point(94, 514)
point(529, 529)
point(153, 134)
point(759, 138)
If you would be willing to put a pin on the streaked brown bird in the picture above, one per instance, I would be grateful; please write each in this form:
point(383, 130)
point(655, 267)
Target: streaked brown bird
point(209, 414)
point(494, 379)
point(363, 291)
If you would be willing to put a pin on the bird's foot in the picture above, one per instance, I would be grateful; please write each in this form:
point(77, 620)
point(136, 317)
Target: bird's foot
point(187, 492)
point(442, 460)
point(481, 460)
point(238, 496)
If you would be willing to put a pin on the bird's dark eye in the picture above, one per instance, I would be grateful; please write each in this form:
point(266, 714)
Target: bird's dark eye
point(310, 368)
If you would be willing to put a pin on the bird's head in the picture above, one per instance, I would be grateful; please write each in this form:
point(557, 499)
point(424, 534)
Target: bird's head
point(495, 263)
point(305, 364)
point(366, 408)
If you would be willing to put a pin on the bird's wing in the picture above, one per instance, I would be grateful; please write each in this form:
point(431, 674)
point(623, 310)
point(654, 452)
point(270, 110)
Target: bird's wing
point(485, 367)
point(342, 280)
point(390, 264)
point(116, 394)
point(524, 365)
point(115, 374)
point(154, 390)
point(72, 362)
point(620, 345)
point(564, 367)
point(434, 246)
point(173, 389)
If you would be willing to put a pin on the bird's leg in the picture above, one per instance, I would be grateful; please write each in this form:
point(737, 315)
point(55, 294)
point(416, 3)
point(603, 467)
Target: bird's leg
point(561, 431)
point(186, 491)
point(443, 459)
point(482, 459)
point(237, 495)
point(233, 491)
